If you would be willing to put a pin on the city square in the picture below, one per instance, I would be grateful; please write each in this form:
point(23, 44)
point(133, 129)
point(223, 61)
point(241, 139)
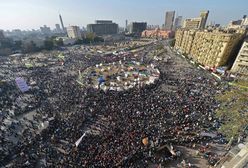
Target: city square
point(124, 84)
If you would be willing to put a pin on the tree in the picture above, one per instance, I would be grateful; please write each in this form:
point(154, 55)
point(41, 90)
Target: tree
point(30, 47)
point(172, 42)
point(90, 37)
point(98, 39)
point(59, 42)
point(17, 45)
point(79, 41)
point(48, 44)
point(233, 109)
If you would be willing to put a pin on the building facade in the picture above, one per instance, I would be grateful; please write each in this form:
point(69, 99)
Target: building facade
point(137, 27)
point(240, 65)
point(45, 30)
point(169, 20)
point(193, 23)
point(212, 49)
point(196, 23)
point(237, 24)
point(74, 32)
point(204, 17)
point(1, 35)
point(103, 27)
point(157, 33)
point(178, 22)
point(57, 28)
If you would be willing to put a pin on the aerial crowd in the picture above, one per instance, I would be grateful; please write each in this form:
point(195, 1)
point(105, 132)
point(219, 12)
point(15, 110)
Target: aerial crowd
point(131, 128)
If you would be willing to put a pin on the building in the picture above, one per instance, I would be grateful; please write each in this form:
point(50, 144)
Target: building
point(212, 49)
point(237, 24)
point(184, 40)
point(157, 33)
point(237, 157)
point(240, 65)
point(234, 24)
point(169, 20)
point(137, 27)
point(67, 40)
point(57, 28)
point(178, 22)
point(126, 25)
point(103, 27)
point(45, 30)
point(74, 32)
point(196, 23)
point(1, 35)
point(204, 18)
point(152, 27)
point(193, 23)
point(245, 21)
point(61, 22)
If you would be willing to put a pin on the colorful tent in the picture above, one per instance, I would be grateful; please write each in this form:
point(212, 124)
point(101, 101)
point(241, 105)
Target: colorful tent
point(101, 80)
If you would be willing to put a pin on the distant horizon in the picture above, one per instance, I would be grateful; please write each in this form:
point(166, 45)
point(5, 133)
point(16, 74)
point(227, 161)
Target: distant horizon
point(33, 14)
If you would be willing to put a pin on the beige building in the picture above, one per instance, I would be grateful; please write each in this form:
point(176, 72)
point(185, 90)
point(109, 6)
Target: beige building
point(196, 23)
point(240, 65)
point(211, 49)
point(187, 41)
point(193, 23)
point(74, 32)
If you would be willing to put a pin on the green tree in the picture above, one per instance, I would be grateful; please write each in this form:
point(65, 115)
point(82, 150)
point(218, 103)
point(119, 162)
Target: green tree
point(233, 109)
point(48, 44)
point(172, 42)
point(30, 47)
point(90, 37)
point(79, 41)
point(17, 45)
point(59, 42)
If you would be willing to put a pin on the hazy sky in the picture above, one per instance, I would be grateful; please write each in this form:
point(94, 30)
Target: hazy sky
point(28, 14)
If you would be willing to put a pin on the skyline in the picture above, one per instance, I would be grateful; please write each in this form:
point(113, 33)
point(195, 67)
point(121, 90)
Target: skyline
point(32, 14)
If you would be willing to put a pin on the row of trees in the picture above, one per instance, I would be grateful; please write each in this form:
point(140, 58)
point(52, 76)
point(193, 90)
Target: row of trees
point(233, 109)
point(89, 39)
point(8, 46)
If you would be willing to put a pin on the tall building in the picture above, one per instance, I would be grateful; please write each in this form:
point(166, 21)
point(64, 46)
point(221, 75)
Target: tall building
point(178, 22)
point(45, 30)
point(126, 25)
point(1, 35)
point(137, 27)
point(204, 17)
point(74, 32)
point(211, 49)
point(240, 65)
point(196, 23)
point(61, 22)
point(103, 27)
point(169, 20)
point(57, 28)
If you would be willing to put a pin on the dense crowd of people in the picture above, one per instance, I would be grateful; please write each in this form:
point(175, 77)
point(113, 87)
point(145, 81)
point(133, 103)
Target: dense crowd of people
point(114, 123)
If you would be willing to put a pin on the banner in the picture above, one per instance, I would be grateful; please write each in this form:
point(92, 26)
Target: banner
point(22, 85)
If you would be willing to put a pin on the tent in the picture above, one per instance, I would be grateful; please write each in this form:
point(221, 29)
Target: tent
point(101, 80)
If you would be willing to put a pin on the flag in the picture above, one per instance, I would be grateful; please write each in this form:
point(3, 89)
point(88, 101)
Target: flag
point(79, 140)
